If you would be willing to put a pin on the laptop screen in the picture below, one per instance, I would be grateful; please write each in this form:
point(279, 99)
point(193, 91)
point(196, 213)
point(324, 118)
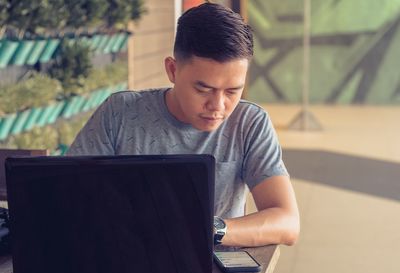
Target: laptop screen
point(111, 214)
point(4, 153)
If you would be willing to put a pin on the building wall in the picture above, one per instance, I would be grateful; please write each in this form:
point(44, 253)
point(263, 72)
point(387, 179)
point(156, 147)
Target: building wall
point(152, 42)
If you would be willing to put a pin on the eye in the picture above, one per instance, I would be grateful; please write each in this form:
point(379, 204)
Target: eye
point(232, 92)
point(202, 90)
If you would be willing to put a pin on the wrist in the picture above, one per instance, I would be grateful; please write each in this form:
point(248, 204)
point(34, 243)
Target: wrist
point(220, 230)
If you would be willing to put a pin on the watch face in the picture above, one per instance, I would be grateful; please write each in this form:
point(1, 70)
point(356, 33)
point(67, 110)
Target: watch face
point(219, 223)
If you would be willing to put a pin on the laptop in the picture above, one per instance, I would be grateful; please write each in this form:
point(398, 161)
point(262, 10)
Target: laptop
point(111, 213)
point(4, 153)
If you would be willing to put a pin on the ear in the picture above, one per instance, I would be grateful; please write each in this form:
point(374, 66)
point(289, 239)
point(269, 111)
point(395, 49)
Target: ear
point(170, 68)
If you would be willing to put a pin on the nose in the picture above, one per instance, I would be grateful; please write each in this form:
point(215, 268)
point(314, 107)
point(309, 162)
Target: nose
point(216, 102)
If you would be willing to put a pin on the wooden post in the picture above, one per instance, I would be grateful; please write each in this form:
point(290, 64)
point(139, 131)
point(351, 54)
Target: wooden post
point(177, 13)
point(240, 6)
point(131, 60)
point(305, 120)
point(243, 10)
point(306, 60)
point(243, 13)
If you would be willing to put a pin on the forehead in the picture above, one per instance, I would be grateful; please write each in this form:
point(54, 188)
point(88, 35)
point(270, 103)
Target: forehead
point(209, 69)
point(200, 61)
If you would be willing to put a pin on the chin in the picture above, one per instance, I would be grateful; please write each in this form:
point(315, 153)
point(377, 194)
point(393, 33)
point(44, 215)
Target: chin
point(205, 125)
point(207, 128)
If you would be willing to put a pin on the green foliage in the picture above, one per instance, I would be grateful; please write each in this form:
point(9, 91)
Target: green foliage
point(23, 13)
point(4, 5)
point(110, 75)
point(46, 18)
point(67, 130)
point(34, 15)
point(115, 13)
point(95, 10)
point(85, 13)
point(36, 91)
point(40, 89)
point(49, 137)
point(37, 138)
point(77, 14)
point(117, 72)
point(137, 9)
point(120, 12)
point(71, 67)
point(39, 16)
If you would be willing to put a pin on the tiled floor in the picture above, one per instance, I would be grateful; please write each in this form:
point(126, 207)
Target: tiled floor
point(345, 230)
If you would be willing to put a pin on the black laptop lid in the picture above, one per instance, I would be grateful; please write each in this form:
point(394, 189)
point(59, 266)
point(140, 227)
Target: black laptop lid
point(111, 214)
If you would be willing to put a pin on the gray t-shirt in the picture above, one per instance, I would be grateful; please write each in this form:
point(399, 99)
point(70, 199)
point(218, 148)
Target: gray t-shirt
point(245, 146)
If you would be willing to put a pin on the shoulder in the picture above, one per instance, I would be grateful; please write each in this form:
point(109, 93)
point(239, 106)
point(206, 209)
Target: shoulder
point(250, 105)
point(249, 118)
point(126, 100)
point(133, 96)
point(249, 112)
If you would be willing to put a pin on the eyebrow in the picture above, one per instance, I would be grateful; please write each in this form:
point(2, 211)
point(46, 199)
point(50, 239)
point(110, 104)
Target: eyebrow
point(203, 84)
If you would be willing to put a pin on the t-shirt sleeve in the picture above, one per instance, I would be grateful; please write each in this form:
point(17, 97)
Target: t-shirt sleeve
point(98, 135)
point(263, 154)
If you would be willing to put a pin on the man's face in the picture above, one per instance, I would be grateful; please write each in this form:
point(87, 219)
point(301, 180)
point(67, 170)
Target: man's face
point(205, 91)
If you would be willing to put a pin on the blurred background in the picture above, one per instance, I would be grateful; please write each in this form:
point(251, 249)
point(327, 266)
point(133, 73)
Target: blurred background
point(326, 71)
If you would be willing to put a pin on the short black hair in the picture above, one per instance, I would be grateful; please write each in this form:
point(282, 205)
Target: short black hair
point(213, 31)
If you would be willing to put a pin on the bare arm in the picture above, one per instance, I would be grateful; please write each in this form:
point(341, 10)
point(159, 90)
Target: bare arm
point(276, 222)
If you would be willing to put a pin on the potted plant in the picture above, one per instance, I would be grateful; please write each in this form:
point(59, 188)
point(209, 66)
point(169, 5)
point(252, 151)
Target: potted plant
point(6, 123)
point(7, 50)
point(44, 24)
point(22, 16)
point(71, 67)
point(20, 101)
point(4, 5)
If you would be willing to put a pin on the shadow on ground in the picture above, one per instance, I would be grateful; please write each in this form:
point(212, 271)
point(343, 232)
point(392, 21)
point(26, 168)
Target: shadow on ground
point(370, 176)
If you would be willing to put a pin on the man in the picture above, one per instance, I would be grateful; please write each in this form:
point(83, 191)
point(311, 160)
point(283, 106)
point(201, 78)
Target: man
point(202, 113)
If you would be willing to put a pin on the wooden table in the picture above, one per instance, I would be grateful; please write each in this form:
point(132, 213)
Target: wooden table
point(267, 256)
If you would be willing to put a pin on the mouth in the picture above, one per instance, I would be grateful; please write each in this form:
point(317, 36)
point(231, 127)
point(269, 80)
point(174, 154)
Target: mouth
point(211, 118)
point(212, 121)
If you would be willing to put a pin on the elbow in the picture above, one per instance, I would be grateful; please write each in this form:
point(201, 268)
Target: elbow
point(292, 238)
point(293, 233)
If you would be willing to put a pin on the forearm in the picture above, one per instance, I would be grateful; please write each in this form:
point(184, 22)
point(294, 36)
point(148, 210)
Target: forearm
point(269, 226)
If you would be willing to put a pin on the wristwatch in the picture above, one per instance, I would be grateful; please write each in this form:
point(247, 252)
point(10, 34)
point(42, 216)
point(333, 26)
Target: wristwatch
point(219, 230)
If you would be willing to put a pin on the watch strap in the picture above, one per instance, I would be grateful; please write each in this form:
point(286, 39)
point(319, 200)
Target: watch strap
point(219, 230)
